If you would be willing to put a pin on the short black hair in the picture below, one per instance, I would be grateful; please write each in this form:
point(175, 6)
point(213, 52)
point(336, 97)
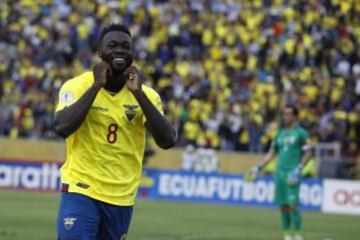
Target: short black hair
point(114, 28)
point(295, 110)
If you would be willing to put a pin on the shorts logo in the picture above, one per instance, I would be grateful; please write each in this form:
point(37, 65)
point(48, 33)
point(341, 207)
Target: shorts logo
point(123, 237)
point(69, 222)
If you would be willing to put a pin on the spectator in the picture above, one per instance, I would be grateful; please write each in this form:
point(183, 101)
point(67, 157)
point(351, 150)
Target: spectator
point(223, 68)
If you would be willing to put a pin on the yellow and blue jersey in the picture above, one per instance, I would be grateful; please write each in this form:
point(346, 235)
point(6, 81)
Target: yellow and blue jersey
point(104, 155)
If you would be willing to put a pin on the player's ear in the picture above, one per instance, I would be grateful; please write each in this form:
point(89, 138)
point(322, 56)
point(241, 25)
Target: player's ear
point(99, 54)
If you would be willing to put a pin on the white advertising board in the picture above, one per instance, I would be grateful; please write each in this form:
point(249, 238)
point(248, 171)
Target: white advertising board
point(341, 196)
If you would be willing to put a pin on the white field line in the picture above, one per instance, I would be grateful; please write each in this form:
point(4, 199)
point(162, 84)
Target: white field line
point(308, 235)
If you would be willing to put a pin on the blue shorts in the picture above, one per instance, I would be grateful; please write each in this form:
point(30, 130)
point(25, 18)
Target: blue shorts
point(84, 218)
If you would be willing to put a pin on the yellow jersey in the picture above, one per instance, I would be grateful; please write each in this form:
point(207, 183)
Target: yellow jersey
point(104, 155)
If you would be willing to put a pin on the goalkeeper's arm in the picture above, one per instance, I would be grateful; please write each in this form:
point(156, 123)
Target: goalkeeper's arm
point(268, 157)
point(254, 171)
point(295, 174)
point(307, 155)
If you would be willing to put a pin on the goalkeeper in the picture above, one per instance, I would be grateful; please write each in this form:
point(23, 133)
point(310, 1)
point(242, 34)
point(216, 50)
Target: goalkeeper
point(292, 155)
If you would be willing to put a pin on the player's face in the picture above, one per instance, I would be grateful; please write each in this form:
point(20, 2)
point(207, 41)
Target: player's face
point(116, 50)
point(288, 116)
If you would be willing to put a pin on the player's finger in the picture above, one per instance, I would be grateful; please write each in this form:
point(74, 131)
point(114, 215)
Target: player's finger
point(108, 70)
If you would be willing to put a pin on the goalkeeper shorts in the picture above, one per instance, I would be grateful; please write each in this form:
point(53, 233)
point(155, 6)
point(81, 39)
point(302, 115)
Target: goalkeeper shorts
point(285, 194)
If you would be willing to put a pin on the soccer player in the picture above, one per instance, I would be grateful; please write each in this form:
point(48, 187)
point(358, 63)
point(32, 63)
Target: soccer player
point(104, 114)
point(292, 155)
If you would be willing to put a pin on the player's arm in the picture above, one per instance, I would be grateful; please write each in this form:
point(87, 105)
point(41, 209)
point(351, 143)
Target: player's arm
point(161, 129)
point(295, 174)
point(254, 171)
point(306, 148)
point(270, 155)
point(69, 119)
point(306, 156)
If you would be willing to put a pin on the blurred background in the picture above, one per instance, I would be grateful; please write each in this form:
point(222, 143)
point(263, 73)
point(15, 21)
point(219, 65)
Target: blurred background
point(224, 70)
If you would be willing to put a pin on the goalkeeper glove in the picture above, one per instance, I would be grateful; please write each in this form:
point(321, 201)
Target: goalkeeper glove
point(252, 174)
point(294, 176)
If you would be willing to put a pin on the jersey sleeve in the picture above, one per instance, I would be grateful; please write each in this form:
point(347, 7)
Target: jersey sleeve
point(155, 99)
point(69, 93)
point(305, 139)
point(274, 145)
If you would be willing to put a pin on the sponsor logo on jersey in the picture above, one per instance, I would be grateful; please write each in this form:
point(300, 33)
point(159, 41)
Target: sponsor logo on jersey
point(290, 139)
point(69, 222)
point(82, 185)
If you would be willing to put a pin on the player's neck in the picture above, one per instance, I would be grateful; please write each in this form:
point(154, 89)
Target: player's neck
point(290, 126)
point(116, 83)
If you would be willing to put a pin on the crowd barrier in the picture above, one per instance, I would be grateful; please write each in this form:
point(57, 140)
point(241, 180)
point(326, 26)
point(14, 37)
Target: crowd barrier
point(323, 195)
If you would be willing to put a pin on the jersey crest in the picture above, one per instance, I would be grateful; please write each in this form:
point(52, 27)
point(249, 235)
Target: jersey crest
point(130, 111)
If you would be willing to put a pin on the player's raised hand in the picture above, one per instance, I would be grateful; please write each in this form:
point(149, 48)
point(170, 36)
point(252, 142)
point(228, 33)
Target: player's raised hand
point(133, 82)
point(101, 71)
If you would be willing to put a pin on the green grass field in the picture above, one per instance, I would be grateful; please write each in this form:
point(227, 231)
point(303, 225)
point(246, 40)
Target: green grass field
point(32, 216)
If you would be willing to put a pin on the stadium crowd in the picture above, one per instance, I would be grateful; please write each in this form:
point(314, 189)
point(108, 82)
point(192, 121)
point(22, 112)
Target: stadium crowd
point(224, 68)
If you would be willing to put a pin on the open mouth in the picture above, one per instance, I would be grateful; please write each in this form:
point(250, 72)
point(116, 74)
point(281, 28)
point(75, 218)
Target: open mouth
point(119, 63)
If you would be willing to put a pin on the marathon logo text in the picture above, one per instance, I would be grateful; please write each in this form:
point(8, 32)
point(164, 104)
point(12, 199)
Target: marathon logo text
point(32, 176)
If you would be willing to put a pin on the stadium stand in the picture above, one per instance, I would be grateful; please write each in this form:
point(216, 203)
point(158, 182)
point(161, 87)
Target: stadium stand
point(224, 68)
